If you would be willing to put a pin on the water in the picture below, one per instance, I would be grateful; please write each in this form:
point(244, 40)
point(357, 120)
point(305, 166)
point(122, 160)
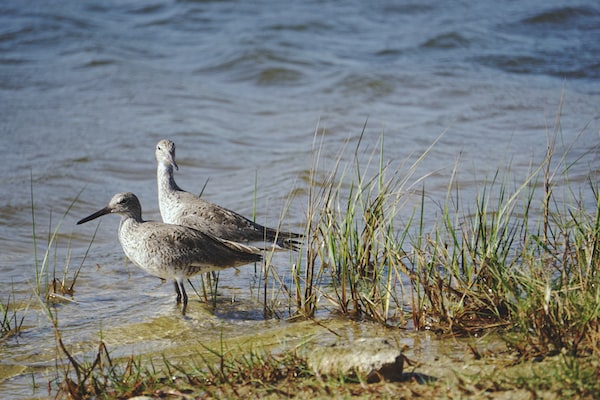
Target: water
point(88, 88)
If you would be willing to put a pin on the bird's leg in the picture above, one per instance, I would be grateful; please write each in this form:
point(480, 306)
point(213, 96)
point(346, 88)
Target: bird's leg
point(181, 295)
point(178, 292)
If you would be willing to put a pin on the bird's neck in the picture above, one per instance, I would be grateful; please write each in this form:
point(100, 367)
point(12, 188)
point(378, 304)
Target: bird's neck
point(166, 181)
point(126, 225)
point(127, 232)
point(132, 218)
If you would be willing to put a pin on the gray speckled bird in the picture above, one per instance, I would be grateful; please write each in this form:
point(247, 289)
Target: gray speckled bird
point(183, 208)
point(171, 251)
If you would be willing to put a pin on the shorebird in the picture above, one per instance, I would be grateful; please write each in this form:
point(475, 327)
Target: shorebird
point(171, 251)
point(184, 208)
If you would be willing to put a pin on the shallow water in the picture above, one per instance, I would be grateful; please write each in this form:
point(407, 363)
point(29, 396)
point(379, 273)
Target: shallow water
point(88, 88)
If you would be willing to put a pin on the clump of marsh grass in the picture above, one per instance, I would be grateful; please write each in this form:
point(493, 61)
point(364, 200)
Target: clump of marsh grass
point(560, 302)
point(11, 320)
point(50, 283)
point(462, 272)
point(352, 242)
point(509, 264)
point(512, 258)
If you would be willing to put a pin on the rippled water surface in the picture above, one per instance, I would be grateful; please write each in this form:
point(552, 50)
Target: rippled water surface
point(88, 88)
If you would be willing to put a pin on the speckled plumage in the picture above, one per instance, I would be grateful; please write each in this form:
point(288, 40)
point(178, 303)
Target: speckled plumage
point(183, 208)
point(171, 251)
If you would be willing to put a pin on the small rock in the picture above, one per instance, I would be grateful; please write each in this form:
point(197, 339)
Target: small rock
point(378, 359)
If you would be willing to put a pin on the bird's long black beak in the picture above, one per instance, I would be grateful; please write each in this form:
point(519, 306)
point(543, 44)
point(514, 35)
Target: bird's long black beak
point(95, 215)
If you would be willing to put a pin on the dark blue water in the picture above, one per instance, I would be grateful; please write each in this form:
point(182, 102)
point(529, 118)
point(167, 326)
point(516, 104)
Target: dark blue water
point(88, 88)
